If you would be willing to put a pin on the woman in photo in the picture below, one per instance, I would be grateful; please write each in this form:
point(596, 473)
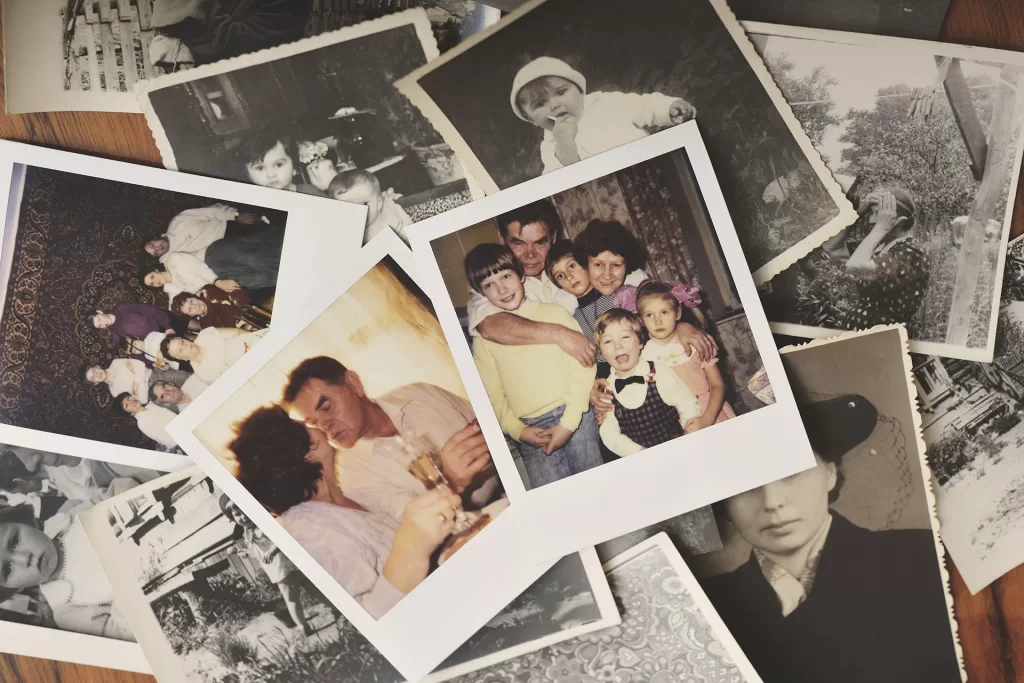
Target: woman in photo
point(821, 599)
point(290, 469)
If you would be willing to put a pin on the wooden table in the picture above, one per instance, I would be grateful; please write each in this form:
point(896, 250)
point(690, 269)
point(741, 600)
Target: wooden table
point(991, 623)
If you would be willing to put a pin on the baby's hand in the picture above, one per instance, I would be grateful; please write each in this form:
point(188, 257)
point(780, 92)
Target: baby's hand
point(681, 111)
point(565, 130)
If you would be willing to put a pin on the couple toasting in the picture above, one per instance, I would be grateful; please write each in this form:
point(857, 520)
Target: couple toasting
point(376, 529)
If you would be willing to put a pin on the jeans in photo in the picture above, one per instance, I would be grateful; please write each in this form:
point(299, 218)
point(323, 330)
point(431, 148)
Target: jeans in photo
point(582, 452)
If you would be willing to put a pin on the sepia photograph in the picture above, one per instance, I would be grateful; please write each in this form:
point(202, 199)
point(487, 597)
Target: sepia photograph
point(93, 52)
point(669, 632)
point(126, 293)
point(899, 18)
point(210, 597)
point(50, 577)
point(844, 558)
point(604, 323)
point(970, 413)
point(561, 81)
point(350, 440)
point(926, 140)
point(320, 117)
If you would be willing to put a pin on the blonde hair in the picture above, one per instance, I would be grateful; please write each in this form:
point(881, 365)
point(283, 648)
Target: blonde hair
point(622, 316)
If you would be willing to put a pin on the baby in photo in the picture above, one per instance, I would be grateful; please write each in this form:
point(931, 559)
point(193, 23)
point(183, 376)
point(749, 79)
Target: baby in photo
point(651, 405)
point(540, 393)
point(553, 96)
point(272, 160)
point(362, 187)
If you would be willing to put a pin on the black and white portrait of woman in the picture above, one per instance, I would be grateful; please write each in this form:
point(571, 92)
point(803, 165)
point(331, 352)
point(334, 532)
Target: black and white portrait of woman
point(832, 574)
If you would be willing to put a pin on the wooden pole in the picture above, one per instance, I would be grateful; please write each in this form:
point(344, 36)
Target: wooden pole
point(966, 116)
point(998, 163)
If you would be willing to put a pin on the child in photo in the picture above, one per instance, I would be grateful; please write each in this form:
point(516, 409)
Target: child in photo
point(271, 160)
point(566, 272)
point(540, 394)
point(650, 404)
point(362, 187)
point(58, 560)
point(661, 309)
point(281, 571)
point(553, 96)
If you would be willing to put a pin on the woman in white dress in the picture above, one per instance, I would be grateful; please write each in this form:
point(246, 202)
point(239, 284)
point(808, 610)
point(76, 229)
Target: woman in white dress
point(125, 375)
point(185, 273)
point(290, 469)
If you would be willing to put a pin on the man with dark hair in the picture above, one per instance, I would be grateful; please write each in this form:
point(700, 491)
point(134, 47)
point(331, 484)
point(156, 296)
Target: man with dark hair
point(176, 397)
point(821, 599)
point(324, 394)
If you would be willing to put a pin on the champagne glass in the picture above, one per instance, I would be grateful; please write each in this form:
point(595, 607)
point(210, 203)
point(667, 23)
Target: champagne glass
point(424, 463)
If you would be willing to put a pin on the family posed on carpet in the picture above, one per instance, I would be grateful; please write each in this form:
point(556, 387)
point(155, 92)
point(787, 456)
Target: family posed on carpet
point(584, 358)
point(49, 574)
point(218, 267)
point(359, 512)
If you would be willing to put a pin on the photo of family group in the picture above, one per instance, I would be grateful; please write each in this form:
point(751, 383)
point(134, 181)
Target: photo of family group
point(603, 319)
point(123, 303)
point(927, 152)
point(359, 438)
point(49, 575)
point(322, 118)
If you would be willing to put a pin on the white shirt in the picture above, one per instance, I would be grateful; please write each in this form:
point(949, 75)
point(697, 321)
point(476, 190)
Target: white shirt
point(194, 386)
point(131, 376)
point(189, 274)
point(672, 390)
point(152, 344)
point(193, 230)
point(610, 120)
point(540, 289)
point(352, 545)
point(220, 352)
point(153, 423)
point(379, 478)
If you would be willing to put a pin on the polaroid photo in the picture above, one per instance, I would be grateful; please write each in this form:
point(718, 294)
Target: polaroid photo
point(669, 631)
point(208, 594)
point(72, 55)
point(127, 290)
point(346, 439)
point(920, 19)
point(536, 283)
point(55, 599)
point(845, 557)
point(926, 140)
point(320, 116)
point(971, 420)
point(560, 81)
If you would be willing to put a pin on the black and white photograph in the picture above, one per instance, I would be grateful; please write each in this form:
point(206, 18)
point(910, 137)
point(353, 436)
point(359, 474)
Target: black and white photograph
point(970, 414)
point(94, 52)
point(926, 140)
point(836, 573)
point(50, 577)
point(350, 440)
point(126, 292)
point(669, 632)
point(560, 81)
point(608, 327)
point(320, 117)
point(920, 19)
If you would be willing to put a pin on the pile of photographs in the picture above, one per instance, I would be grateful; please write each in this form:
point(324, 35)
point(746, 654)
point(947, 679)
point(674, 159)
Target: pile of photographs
point(265, 437)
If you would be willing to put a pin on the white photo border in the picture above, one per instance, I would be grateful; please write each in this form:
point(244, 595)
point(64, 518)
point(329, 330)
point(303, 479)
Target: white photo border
point(964, 52)
point(308, 249)
point(411, 635)
point(574, 513)
point(410, 87)
point(718, 627)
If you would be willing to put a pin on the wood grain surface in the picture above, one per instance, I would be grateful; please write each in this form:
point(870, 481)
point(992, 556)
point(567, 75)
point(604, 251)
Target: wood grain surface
point(991, 623)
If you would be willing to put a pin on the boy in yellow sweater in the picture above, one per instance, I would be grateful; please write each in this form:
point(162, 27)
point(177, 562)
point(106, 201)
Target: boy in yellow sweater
point(540, 394)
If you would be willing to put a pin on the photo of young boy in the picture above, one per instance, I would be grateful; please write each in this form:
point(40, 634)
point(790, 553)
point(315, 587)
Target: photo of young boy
point(602, 320)
point(549, 416)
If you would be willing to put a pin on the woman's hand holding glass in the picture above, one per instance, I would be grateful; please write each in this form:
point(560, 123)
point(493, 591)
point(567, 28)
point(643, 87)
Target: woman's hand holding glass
point(428, 520)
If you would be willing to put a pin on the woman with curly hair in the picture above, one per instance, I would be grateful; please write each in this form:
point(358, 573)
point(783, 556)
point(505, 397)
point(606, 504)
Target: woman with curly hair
point(290, 469)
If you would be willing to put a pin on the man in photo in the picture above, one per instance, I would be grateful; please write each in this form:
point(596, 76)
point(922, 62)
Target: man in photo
point(325, 395)
point(176, 397)
point(821, 599)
